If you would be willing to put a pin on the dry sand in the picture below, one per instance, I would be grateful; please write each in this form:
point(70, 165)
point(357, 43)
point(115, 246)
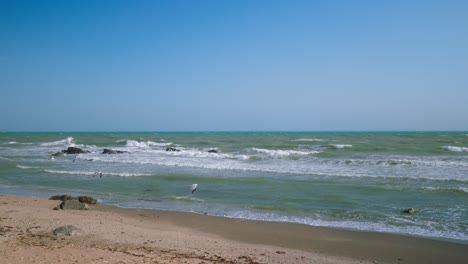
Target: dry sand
point(115, 235)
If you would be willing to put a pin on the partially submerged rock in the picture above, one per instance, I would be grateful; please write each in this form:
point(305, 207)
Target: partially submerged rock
point(69, 150)
point(172, 149)
point(212, 151)
point(409, 210)
point(111, 151)
point(58, 154)
point(74, 150)
point(67, 230)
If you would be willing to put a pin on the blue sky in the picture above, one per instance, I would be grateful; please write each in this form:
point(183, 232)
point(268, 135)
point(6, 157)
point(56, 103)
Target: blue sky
point(233, 65)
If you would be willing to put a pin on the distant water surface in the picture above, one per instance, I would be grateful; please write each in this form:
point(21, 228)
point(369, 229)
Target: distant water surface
point(359, 180)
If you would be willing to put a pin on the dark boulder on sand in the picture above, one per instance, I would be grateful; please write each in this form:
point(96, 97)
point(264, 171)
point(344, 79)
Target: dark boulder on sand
point(111, 151)
point(72, 205)
point(82, 199)
point(87, 199)
point(62, 197)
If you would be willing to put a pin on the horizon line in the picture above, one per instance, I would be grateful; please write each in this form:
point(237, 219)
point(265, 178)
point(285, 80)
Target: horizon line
point(236, 131)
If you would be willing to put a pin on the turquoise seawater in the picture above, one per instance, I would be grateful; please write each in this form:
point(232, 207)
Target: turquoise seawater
point(358, 181)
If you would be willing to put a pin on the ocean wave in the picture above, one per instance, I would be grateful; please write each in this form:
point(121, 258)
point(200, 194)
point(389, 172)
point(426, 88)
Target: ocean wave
point(424, 229)
point(341, 146)
point(15, 143)
point(308, 140)
point(7, 159)
point(281, 153)
point(147, 144)
point(92, 173)
point(455, 149)
point(66, 142)
point(463, 190)
point(24, 167)
point(186, 199)
point(391, 162)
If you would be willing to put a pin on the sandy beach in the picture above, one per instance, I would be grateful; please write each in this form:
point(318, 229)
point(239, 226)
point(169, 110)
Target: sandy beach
point(114, 235)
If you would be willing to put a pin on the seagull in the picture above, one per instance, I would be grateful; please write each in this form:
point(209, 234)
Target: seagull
point(193, 187)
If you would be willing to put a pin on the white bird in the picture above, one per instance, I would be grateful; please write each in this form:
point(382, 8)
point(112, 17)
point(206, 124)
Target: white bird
point(98, 173)
point(193, 187)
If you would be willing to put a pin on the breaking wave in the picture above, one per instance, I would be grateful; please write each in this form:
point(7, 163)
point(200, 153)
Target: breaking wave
point(24, 167)
point(308, 140)
point(93, 173)
point(281, 153)
point(341, 146)
point(66, 142)
point(147, 144)
point(455, 149)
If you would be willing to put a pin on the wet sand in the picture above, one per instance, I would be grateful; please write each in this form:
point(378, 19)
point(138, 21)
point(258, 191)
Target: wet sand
point(116, 235)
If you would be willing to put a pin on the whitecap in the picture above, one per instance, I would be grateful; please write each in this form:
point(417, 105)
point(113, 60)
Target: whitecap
point(281, 153)
point(188, 199)
point(67, 141)
point(308, 140)
point(92, 173)
point(341, 146)
point(455, 149)
point(147, 144)
point(24, 167)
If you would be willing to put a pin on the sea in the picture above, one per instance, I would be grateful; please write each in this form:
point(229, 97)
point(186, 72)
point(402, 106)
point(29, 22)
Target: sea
point(346, 180)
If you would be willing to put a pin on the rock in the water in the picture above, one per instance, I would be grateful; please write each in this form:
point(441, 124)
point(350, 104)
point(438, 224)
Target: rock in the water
point(212, 151)
point(74, 150)
point(67, 230)
point(73, 205)
point(111, 151)
point(62, 197)
point(58, 154)
point(87, 199)
point(409, 211)
point(172, 149)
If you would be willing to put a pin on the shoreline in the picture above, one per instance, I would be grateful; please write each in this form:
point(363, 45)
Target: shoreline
point(145, 235)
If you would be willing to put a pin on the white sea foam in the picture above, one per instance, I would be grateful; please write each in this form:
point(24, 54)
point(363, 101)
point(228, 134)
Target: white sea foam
point(435, 189)
point(427, 229)
point(66, 142)
point(24, 167)
point(92, 173)
point(3, 158)
point(308, 140)
point(281, 153)
point(147, 144)
point(15, 143)
point(188, 199)
point(341, 146)
point(455, 149)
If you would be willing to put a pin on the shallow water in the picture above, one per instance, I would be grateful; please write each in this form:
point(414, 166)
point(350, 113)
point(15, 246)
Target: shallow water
point(346, 180)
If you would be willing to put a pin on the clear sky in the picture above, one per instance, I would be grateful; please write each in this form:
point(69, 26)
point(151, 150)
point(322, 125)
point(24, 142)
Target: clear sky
point(233, 65)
